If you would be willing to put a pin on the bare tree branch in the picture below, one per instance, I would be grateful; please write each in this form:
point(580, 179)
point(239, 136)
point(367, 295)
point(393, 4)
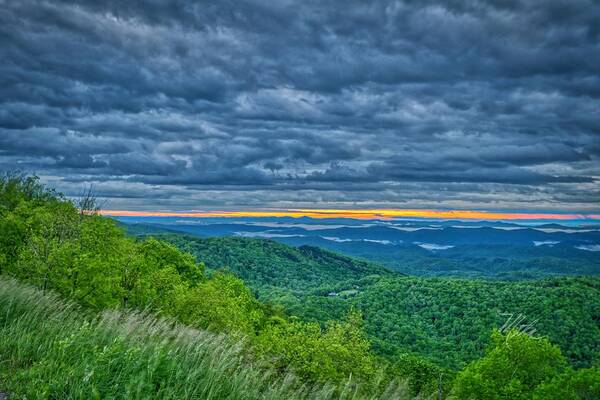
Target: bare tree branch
point(88, 203)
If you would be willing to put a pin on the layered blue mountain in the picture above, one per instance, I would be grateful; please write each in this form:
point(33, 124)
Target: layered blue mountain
point(419, 247)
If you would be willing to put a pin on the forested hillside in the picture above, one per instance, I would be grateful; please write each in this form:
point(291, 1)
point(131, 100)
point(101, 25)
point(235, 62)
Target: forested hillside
point(445, 320)
point(268, 263)
point(100, 314)
point(449, 320)
point(55, 245)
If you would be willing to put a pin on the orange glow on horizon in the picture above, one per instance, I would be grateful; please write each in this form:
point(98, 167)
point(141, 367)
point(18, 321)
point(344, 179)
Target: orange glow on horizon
point(357, 214)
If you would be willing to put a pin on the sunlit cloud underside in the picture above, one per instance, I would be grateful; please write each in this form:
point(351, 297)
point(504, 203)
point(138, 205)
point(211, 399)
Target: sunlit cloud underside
point(359, 214)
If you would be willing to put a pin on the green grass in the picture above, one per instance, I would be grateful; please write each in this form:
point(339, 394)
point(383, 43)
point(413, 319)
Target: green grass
point(51, 349)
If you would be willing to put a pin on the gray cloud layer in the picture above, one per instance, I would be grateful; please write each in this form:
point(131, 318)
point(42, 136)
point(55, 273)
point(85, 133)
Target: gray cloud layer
point(485, 104)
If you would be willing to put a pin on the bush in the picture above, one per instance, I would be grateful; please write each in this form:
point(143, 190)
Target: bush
point(332, 354)
point(514, 366)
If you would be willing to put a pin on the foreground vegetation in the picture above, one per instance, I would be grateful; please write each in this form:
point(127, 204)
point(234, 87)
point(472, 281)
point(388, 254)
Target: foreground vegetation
point(50, 243)
point(218, 340)
point(52, 349)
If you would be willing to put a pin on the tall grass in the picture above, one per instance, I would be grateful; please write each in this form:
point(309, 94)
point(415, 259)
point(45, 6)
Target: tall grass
point(51, 349)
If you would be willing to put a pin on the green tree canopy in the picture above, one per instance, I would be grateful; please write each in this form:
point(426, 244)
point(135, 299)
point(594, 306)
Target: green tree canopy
point(514, 366)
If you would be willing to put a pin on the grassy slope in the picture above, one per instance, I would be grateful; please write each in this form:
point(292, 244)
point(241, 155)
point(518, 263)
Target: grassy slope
point(51, 349)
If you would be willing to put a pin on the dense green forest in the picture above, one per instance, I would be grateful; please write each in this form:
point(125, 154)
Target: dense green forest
point(445, 320)
point(265, 263)
point(449, 321)
point(506, 262)
point(87, 311)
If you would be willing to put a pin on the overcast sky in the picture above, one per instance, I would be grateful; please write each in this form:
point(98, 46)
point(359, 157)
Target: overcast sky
point(260, 104)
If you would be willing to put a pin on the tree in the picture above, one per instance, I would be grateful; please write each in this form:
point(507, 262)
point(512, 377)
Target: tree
point(88, 203)
point(513, 367)
point(222, 304)
point(46, 252)
point(583, 384)
point(160, 255)
point(423, 377)
point(332, 354)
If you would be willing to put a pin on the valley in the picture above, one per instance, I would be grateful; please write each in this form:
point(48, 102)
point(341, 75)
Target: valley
point(405, 313)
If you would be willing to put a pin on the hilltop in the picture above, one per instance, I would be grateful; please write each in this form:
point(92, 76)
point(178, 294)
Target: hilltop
point(266, 263)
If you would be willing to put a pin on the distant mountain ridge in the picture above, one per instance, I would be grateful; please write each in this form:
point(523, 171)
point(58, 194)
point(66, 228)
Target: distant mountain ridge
point(425, 248)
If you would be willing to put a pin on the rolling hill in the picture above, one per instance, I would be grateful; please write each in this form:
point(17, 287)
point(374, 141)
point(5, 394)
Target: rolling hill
point(266, 263)
point(447, 320)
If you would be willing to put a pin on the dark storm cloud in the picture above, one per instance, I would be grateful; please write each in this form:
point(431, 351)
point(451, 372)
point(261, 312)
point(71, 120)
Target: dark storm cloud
point(285, 103)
